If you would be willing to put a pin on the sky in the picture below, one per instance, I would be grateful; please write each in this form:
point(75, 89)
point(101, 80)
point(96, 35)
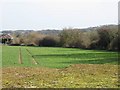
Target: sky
point(56, 14)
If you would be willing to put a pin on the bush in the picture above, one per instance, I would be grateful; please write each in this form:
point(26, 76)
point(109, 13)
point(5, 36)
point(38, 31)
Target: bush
point(14, 44)
point(28, 39)
point(115, 44)
point(104, 37)
point(101, 38)
point(49, 41)
point(71, 38)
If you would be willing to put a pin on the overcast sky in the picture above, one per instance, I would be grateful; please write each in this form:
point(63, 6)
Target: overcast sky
point(57, 14)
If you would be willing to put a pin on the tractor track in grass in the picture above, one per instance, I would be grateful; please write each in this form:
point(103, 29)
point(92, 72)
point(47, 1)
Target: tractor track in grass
point(20, 57)
point(33, 59)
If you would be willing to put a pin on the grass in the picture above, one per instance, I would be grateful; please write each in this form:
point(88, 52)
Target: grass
point(59, 68)
point(10, 56)
point(56, 57)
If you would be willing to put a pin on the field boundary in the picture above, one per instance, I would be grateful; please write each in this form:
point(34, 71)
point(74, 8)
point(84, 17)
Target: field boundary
point(33, 59)
point(20, 56)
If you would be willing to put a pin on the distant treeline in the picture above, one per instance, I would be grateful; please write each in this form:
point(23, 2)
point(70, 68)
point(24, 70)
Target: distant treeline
point(104, 37)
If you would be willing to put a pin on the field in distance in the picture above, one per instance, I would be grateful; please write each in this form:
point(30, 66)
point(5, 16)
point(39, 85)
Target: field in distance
point(47, 67)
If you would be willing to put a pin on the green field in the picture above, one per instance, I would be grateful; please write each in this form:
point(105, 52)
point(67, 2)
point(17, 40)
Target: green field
point(58, 68)
point(55, 57)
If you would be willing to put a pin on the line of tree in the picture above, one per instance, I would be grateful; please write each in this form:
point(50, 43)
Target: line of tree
point(104, 37)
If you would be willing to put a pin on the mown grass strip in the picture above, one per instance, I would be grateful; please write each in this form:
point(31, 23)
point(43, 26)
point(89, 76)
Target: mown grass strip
point(33, 59)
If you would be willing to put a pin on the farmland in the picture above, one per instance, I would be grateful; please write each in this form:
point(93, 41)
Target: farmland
point(59, 67)
point(56, 57)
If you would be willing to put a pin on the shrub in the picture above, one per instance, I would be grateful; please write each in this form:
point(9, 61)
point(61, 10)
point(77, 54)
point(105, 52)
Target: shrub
point(49, 41)
point(71, 38)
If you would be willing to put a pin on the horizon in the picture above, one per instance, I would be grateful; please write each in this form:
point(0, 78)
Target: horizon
point(45, 14)
point(54, 29)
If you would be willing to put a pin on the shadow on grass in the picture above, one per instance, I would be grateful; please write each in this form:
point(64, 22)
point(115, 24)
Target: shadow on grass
point(79, 55)
point(97, 61)
point(83, 58)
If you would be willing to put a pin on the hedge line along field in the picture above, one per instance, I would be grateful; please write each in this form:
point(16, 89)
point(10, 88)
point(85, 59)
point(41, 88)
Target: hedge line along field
point(58, 68)
point(55, 57)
